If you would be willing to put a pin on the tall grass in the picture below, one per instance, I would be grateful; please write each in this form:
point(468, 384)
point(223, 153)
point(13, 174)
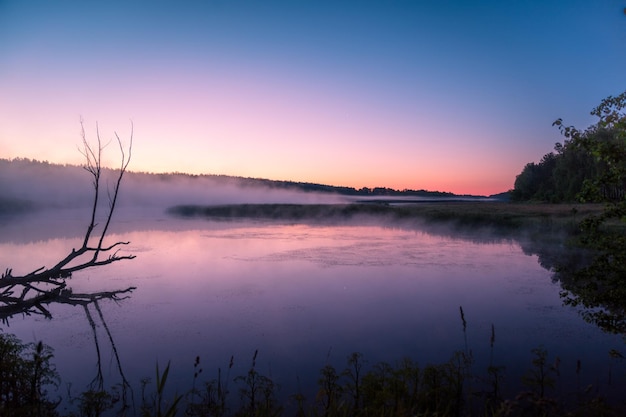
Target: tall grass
point(403, 388)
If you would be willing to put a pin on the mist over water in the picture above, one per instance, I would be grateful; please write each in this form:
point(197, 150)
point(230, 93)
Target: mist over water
point(66, 194)
point(54, 186)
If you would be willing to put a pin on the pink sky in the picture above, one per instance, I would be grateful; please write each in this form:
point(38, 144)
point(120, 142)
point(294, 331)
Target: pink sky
point(406, 97)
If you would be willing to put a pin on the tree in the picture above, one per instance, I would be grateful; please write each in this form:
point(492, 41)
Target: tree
point(536, 181)
point(28, 294)
point(589, 166)
point(598, 286)
point(31, 293)
point(606, 143)
point(574, 165)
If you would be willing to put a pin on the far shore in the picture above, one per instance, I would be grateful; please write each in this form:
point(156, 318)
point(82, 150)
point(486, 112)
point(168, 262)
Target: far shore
point(462, 213)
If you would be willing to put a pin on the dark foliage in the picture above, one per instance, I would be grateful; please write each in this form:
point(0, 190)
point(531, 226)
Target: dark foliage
point(26, 372)
point(589, 166)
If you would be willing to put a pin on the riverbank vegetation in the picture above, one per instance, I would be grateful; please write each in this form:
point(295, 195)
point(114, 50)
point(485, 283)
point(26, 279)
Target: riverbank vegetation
point(589, 166)
point(30, 386)
point(495, 215)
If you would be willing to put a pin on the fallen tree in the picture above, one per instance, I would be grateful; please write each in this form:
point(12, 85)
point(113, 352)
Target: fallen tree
point(30, 293)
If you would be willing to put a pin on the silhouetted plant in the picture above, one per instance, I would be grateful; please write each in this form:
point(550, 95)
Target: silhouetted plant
point(378, 390)
point(463, 364)
point(156, 406)
point(495, 375)
point(540, 377)
point(211, 400)
point(329, 394)
point(300, 400)
point(94, 403)
point(354, 374)
point(407, 391)
point(438, 393)
point(26, 373)
point(257, 393)
point(384, 390)
point(197, 370)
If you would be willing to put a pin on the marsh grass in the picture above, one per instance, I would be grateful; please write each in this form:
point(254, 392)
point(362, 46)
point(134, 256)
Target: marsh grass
point(403, 388)
point(156, 404)
point(495, 215)
point(451, 388)
point(257, 393)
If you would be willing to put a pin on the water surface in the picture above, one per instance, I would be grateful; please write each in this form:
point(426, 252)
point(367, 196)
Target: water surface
point(303, 295)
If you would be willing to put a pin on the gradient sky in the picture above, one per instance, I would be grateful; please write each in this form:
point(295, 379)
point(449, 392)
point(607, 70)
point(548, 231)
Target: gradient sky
point(439, 95)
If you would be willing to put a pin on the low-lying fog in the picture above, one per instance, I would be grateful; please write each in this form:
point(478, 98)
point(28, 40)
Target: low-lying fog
point(31, 187)
point(55, 186)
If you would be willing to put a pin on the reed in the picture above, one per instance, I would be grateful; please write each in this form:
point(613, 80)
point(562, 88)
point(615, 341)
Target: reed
point(403, 388)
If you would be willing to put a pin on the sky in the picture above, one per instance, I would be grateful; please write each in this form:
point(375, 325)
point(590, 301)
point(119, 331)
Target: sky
point(442, 95)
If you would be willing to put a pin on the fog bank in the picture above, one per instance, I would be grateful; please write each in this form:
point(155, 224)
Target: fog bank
point(56, 186)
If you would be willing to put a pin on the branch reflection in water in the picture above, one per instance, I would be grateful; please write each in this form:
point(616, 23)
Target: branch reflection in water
point(34, 292)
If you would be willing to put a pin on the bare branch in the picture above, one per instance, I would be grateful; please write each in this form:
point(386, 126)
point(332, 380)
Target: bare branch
point(45, 284)
point(92, 165)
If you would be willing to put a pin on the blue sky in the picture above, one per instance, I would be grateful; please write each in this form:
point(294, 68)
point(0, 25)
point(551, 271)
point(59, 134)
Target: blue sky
point(440, 95)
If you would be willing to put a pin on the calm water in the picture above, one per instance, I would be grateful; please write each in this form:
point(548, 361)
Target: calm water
point(300, 294)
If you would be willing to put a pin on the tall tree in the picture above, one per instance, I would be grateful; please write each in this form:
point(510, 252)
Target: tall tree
point(606, 143)
point(589, 166)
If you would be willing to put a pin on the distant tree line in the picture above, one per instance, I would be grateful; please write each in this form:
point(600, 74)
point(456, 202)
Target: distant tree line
point(589, 166)
point(364, 191)
point(26, 164)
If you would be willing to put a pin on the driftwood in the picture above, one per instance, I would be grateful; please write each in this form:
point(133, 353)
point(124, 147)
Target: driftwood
point(30, 293)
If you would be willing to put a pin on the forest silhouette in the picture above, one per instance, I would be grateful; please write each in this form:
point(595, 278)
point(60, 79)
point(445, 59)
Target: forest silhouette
point(589, 166)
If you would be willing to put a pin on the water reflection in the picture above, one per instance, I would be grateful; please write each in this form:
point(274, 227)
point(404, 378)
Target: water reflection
point(303, 294)
point(592, 281)
point(58, 293)
point(33, 293)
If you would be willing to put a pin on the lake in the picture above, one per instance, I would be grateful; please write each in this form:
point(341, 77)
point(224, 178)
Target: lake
point(303, 295)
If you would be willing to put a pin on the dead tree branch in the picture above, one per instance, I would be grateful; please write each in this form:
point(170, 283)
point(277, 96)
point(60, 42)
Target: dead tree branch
point(29, 293)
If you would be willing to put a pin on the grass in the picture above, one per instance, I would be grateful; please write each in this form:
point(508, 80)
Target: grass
point(402, 388)
point(496, 215)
